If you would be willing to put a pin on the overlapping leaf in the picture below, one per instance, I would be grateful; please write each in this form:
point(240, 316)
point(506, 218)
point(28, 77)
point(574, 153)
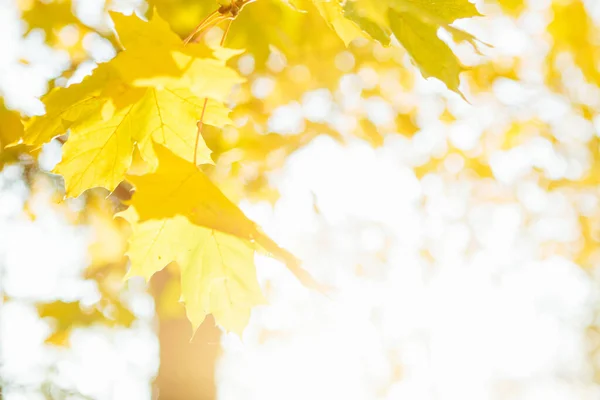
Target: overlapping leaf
point(218, 275)
point(140, 97)
point(432, 55)
point(415, 23)
point(180, 188)
point(11, 133)
point(178, 214)
point(11, 128)
point(261, 27)
point(332, 11)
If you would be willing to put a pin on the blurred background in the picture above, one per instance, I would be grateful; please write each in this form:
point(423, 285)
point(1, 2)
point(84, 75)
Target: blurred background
point(461, 237)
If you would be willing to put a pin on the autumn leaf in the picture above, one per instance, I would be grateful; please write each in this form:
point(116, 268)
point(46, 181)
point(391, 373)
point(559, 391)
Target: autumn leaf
point(178, 187)
point(155, 56)
point(178, 215)
point(49, 16)
point(64, 106)
point(100, 148)
point(162, 113)
point(303, 37)
point(177, 206)
point(109, 114)
point(333, 13)
point(369, 19)
point(218, 275)
point(70, 315)
point(430, 53)
point(12, 149)
point(415, 23)
point(11, 128)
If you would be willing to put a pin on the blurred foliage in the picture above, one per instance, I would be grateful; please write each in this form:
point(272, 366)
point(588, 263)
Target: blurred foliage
point(135, 118)
point(72, 315)
point(107, 262)
point(292, 49)
point(61, 26)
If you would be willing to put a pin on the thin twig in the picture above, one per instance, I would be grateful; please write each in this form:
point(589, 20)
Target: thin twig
point(226, 32)
point(204, 24)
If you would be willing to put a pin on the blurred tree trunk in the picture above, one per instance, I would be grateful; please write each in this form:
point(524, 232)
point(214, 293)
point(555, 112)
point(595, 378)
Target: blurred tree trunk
point(187, 368)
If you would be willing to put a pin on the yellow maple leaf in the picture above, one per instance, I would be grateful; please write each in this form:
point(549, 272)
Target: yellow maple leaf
point(371, 18)
point(374, 11)
point(178, 214)
point(110, 113)
point(218, 275)
point(100, 147)
point(332, 12)
point(433, 57)
point(135, 33)
point(202, 76)
point(169, 117)
point(415, 23)
point(67, 105)
point(178, 187)
point(303, 37)
point(155, 56)
point(436, 11)
point(182, 15)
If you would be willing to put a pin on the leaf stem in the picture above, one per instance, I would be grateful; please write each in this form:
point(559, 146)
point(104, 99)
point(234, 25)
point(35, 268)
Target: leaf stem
point(201, 121)
point(226, 32)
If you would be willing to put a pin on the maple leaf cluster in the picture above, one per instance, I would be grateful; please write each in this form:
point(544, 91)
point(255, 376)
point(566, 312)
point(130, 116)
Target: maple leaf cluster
point(140, 118)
